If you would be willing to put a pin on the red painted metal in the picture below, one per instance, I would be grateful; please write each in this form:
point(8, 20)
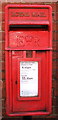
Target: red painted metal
point(28, 28)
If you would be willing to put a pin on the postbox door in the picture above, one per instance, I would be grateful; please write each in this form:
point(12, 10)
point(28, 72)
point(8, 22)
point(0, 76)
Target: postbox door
point(36, 100)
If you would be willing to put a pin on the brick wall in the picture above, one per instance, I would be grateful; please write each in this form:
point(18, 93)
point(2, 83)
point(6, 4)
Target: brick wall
point(54, 5)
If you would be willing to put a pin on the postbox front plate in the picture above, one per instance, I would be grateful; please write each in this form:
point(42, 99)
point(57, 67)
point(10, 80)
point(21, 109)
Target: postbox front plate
point(28, 46)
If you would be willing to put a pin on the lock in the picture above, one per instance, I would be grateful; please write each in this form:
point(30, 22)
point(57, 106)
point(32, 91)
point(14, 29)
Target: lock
point(28, 56)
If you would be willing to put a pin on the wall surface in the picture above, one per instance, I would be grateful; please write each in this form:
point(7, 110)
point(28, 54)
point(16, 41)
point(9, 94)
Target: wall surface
point(54, 5)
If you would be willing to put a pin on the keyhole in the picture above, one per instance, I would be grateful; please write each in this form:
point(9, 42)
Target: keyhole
point(16, 82)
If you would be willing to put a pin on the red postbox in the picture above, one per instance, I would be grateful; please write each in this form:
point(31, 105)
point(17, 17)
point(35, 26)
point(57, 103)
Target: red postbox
point(28, 53)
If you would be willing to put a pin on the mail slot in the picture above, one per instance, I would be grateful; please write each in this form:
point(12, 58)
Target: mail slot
point(28, 56)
